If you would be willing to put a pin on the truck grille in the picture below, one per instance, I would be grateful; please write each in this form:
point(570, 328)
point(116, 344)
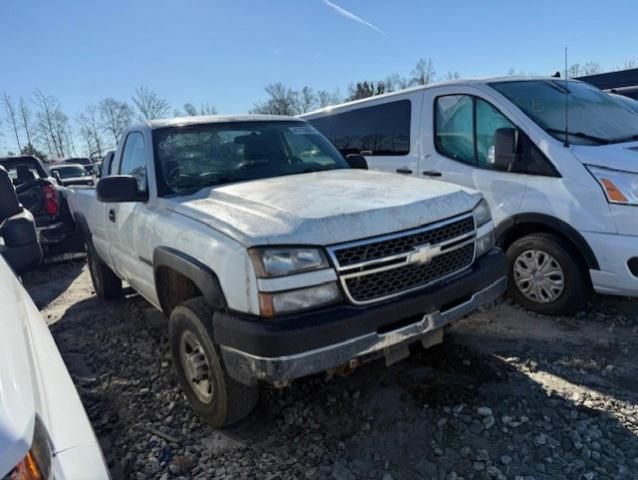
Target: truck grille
point(402, 244)
point(386, 283)
point(383, 267)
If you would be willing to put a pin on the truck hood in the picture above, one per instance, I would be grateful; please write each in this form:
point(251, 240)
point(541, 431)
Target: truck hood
point(17, 403)
point(324, 208)
point(619, 156)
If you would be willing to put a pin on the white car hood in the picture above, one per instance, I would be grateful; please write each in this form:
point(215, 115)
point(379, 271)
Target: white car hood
point(17, 403)
point(618, 156)
point(324, 208)
point(33, 379)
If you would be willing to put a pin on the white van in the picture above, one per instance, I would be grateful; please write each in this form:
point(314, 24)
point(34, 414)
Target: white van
point(565, 204)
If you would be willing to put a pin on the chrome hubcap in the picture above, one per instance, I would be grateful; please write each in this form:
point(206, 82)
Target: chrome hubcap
point(196, 367)
point(539, 276)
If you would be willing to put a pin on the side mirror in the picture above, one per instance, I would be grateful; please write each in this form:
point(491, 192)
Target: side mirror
point(505, 148)
point(119, 189)
point(357, 161)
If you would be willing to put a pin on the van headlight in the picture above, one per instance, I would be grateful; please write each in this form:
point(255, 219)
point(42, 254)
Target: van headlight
point(484, 228)
point(36, 465)
point(619, 187)
point(280, 261)
point(280, 303)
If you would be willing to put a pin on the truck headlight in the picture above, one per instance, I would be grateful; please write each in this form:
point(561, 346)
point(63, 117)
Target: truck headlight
point(482, 213)
point(271, 304)
point(619, 187)
point(280, 261)
point(36, 465)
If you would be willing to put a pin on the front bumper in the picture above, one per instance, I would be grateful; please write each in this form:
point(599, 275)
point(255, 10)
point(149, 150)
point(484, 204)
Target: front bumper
point(613, 252)
point(293, 347)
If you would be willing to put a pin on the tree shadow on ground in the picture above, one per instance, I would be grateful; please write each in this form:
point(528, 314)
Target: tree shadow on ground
point(48, 282)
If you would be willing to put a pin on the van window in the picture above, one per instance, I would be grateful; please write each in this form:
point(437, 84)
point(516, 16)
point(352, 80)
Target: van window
point(464, 131)
point(488, 120)
point(382, 130)
point(455, 127)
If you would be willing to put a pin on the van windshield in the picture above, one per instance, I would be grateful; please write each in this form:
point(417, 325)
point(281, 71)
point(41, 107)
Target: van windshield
point(190, 158)
point(593, 117)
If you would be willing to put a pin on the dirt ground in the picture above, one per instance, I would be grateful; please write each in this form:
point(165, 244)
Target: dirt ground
point(508, 395)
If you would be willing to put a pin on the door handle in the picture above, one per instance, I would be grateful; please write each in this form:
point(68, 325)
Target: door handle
point(432, 173)
point(112, 215)
point(405, 171)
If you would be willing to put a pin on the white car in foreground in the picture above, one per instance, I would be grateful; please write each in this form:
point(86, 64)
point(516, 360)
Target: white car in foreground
point(44, 431)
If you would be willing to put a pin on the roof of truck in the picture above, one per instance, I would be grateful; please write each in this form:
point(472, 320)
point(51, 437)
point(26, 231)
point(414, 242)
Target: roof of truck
point(199, 120)
point(443, 83)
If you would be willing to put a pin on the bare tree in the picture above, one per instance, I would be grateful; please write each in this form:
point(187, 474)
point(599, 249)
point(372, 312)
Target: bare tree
point(423, 72)
point(630, 64)
point(12, 115)
point(282, 101)
point(53, 124)
point(115, 116)
point(452, 76)
point(26, 119)
point(325, 98)
point(149, 104)
point(90, 129)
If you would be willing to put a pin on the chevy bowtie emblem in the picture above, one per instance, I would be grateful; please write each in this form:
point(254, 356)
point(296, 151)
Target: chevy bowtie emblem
point(423, 254)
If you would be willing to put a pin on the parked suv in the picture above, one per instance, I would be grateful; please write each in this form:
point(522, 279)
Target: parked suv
point(556, 159)
point(274, 259)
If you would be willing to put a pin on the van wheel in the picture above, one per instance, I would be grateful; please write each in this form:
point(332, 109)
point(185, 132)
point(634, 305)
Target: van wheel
point(107, 285)
point(545, 275)
point(216, 397)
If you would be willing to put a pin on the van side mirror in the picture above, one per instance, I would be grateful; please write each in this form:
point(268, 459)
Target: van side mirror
point(119, 189)
point(505, 148)
point(357, 161)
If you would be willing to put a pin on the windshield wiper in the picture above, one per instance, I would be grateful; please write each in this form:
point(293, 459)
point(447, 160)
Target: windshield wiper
point(625, 139)
point(602, 141)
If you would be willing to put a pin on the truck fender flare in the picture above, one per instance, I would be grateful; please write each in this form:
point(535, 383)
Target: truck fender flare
point(200, 274)
point(550, 223)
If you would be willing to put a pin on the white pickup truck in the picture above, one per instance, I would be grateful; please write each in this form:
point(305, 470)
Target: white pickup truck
point(274, 257)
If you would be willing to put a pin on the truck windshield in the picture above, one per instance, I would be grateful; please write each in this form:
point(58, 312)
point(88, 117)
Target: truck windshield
point(193, 157)
point(593, 117)
point(71, 171)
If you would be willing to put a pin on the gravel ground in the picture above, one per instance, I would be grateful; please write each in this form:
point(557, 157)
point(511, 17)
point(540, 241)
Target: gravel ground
point(508, 395)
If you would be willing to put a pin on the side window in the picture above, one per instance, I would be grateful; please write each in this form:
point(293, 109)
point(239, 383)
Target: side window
point(133, 159)
point(455, 127)
point(464, 130)
point(488, 120)
point(382, 130)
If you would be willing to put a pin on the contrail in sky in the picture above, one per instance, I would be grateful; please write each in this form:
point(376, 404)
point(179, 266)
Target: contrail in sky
point(345, 13)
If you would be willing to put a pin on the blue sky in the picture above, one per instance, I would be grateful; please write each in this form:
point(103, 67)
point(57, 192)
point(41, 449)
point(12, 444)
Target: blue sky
point(225, 51)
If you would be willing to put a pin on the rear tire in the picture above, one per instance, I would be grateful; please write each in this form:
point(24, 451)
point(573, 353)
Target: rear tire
point(217, 398)
point(546, 276)
point(107, 285)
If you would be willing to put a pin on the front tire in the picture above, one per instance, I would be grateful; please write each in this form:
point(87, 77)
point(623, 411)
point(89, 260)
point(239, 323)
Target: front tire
point(545, 275)
point(217, 398)
point(107, 285)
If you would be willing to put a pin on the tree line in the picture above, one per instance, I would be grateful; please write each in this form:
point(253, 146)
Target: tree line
point(39, 126)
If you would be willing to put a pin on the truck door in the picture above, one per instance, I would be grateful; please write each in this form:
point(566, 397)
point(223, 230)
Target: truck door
point(458, 147)
point(128, 239)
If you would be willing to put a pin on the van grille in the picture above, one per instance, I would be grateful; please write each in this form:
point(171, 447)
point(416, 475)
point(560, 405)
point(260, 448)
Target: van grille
point(384, 267)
